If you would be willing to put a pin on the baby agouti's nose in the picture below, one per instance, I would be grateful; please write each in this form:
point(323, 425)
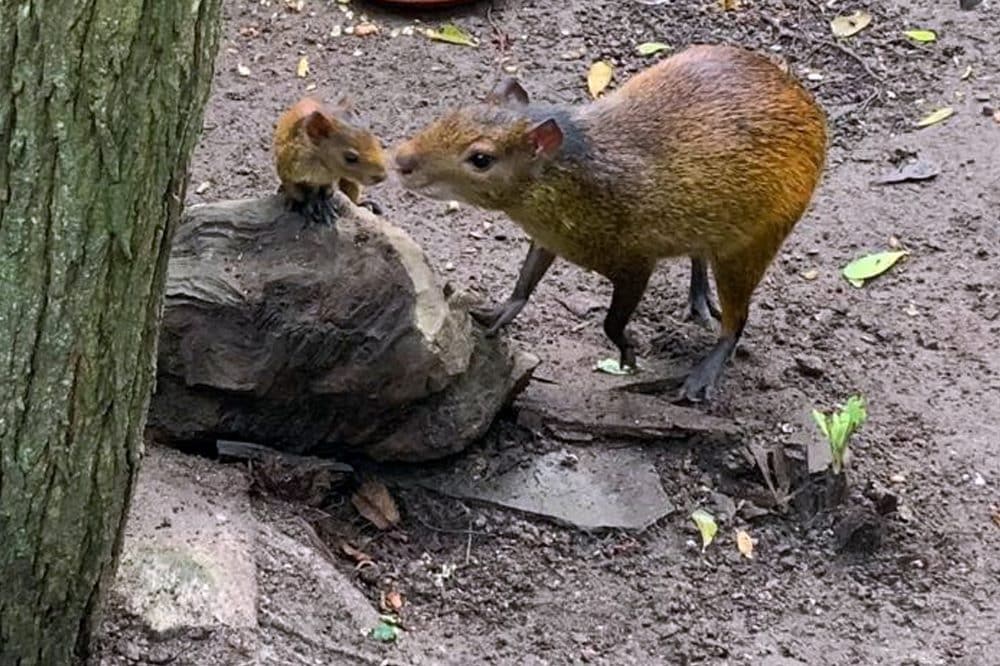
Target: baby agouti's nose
point(406, 162)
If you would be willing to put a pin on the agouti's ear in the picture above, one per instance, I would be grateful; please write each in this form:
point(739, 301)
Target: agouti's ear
point(317, 126)
point(547, 137)
point(508, 91)
point(346, 105)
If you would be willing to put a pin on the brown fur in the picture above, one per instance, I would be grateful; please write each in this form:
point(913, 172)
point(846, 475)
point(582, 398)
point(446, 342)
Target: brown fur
point(305, 159)
point(713, 153)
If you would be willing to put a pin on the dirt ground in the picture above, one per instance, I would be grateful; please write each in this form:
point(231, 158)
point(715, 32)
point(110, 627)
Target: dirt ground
point(920, 342)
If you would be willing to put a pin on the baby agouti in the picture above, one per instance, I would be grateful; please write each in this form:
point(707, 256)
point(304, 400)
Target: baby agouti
point(713, 153)
point(317, 148)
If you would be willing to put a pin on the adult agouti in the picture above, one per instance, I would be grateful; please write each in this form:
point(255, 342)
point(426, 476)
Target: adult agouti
point(713, 153)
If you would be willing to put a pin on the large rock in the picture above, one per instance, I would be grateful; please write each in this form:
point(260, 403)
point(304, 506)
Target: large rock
point(320, 339)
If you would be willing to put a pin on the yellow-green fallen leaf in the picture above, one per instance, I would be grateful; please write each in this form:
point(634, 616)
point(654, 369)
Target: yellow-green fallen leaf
point(744, 543)
point(923, 36)
point(871, 266)
point(852, 24)
point(935, 117)
point(303, 69)
point(967, 73)
point(706, 525)
point(650, 48)
point(611, 366)
point(599, 77)
point(452, 34)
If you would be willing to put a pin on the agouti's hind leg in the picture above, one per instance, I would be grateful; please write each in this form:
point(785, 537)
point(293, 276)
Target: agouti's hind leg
point(628, 290)
point(700, 306)
point(736, 277)
point(538, 261)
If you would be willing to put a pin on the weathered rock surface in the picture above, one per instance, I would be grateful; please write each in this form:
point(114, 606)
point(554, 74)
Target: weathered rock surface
point(320, 340)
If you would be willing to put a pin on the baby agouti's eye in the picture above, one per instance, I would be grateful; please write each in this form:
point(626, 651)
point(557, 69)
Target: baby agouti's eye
point(481, 161)
point(351, 157)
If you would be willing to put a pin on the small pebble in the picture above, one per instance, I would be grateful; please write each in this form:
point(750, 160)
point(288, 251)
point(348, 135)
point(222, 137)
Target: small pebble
point(978, 480)
point(407, 31)
point(349, 30)
point(449, 266)
point(453, 206)
point(336, 31)
point(898, 478)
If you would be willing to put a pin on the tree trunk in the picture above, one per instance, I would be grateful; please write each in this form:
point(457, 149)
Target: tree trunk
point(100, 106)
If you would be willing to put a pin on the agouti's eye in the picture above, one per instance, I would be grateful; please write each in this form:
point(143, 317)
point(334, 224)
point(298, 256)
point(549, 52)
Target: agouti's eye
point(481, 161)
point(351, 157)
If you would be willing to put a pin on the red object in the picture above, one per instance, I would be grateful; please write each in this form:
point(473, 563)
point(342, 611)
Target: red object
point(419, 4)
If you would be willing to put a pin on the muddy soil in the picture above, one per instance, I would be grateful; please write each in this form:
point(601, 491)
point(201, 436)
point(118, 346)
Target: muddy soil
point(920, 342)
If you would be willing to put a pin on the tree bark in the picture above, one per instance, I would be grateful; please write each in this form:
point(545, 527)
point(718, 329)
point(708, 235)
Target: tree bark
point(100, 106)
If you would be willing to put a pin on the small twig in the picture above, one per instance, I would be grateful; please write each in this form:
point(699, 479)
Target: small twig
point(315, 539)
point(785, 32)
point(501, 37)
point(450, 530)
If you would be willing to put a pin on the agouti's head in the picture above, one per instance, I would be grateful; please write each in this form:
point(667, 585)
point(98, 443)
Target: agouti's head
point(343, 146)
point(485, 155)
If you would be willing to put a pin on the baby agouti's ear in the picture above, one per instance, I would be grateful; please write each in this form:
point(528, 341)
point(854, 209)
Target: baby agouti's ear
point(318, 126)
point(346, 106)
point(509, 92)
point(547, 137)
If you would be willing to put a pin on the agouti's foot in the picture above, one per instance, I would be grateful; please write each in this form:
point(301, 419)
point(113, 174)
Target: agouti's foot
point(701, 383)
point(371, 205)
point(703, 312)
point(496, 318)
point(320, 210)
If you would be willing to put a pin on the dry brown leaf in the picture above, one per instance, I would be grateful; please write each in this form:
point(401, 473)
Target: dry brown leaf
point(295, 5)
point(374, 502)
point(727, 5)
point(996, 116)
point(996, 518)
point(355, 554)
point(599, 77)
point(303, 69)
point(744, 543)
point(392, 601)
point(365, 29)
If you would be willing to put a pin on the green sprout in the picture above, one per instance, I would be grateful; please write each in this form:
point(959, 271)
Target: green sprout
point(839, 426)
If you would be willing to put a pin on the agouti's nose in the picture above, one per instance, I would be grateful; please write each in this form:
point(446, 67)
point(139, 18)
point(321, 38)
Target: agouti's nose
point(406, 162)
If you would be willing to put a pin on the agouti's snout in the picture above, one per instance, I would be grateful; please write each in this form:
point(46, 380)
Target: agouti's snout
point(406, 161)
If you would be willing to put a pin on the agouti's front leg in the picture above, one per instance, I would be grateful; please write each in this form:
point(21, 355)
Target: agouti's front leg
point(311, 202)
point(353, 192)
point(535, 265)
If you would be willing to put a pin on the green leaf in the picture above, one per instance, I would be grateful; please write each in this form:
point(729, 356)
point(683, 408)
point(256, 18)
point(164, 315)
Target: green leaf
point(611, 366)
point(871, 266)
point(651, 48)
point(936, 116)
point(846, 26)
point(385, 632)
point(451, 34)
point(923, 36)
point(706, 525)
point(820, 419)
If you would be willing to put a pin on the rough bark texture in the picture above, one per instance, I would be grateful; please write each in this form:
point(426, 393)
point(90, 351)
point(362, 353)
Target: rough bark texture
point(100, 106)
point(324, 340)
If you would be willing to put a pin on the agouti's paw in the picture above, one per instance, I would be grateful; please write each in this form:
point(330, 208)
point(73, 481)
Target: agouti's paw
point(704, 313)
point(496, 318)
point(320, 210)
point(371, 205)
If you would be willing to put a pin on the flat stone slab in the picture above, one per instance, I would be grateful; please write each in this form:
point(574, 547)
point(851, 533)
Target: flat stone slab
point(187, 560)
point(592, 489)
